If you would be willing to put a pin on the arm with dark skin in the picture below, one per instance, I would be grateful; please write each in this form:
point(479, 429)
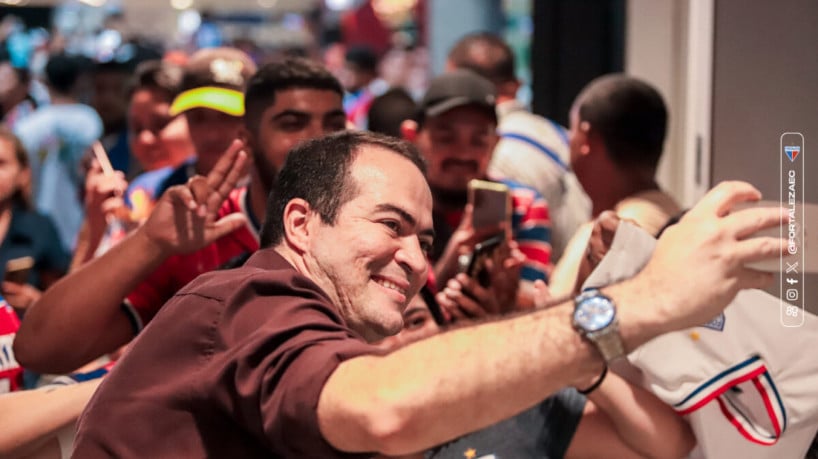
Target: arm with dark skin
point(83, 308)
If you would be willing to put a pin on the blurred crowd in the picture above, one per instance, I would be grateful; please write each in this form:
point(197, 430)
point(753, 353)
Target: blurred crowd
point(125, 180)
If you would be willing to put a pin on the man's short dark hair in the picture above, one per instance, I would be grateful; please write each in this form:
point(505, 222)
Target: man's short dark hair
point(389, 110)
point(63, 71)
point(289, 73)
point(485, 54)
point(318, 171)
point(630, 116)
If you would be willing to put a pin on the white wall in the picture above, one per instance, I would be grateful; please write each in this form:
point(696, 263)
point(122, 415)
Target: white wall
point(670, 44)
point(654, 45)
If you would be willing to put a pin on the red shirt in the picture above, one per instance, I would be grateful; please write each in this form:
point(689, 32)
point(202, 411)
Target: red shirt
point(11, 373)
point(149, 296)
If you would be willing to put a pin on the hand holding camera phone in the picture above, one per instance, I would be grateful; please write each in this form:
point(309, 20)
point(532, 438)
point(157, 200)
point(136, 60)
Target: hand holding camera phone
point(491, 204)
point(18, 269)
point(474, 263)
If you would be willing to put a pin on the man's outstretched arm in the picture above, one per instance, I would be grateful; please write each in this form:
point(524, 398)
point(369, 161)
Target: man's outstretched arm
point(438, 389)
point(79, 318)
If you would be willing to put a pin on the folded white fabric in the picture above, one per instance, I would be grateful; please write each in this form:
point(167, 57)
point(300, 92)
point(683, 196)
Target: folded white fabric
point(748, 385)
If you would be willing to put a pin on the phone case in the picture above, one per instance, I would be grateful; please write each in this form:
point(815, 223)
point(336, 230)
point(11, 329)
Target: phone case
point(491, 202)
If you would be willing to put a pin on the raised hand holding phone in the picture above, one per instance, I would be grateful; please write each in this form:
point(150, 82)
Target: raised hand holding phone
point(15, 288)
point(18, 270)
point(493, 290)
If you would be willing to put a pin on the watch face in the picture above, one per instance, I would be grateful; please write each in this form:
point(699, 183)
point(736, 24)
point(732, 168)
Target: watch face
point(594, 313)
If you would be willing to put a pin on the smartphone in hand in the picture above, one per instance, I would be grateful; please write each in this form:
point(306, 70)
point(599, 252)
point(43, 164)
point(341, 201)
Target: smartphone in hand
point(491, 202)
point(473, 264)
point(18, 269)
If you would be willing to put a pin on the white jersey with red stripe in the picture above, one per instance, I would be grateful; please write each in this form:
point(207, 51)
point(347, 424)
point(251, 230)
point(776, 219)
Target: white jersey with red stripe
point(748, 385)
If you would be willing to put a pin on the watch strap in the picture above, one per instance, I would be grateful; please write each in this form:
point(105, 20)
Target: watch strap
point(609, 343)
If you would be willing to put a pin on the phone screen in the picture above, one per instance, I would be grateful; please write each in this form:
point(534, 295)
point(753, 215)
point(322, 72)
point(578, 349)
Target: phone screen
point(491, 201)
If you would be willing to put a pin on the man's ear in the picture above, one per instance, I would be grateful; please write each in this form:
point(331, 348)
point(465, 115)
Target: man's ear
point(297, 216)
point(586, 137)
point(593, 141)
point(409, 130)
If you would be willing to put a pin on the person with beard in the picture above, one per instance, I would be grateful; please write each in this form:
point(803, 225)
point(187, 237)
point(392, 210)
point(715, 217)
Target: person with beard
point(455, 131)
point(286, 102)
point(532, 150)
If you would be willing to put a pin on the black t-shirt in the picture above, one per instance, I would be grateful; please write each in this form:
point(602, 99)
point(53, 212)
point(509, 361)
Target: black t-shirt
point(542, 432)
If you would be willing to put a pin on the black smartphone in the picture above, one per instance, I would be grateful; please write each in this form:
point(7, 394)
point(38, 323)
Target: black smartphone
point(492, 203)
point(473, 264)
point(18, 269)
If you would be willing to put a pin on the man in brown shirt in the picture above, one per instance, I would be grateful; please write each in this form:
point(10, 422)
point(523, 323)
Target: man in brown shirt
point(271, 359)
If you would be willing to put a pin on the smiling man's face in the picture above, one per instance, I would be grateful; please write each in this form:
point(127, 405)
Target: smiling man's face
point(372, 259)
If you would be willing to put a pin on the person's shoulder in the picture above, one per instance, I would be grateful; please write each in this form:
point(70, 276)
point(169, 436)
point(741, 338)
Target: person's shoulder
point(266, 273)
point(651, 209)
point(76, 110)
point(532, 123)
point(520, 191)
point(76, 121)
point(39, 117)
point(177, 176)
point(523, 132)
point(31, 220)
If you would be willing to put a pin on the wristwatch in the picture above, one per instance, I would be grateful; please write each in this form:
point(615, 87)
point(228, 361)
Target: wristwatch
point(595, 319)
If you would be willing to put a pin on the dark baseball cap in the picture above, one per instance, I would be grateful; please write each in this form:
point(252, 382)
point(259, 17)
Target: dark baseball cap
point(215, 78)
point(456, 89)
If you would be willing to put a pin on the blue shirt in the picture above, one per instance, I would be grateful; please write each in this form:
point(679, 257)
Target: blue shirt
point(56, 137)
point(33, 235)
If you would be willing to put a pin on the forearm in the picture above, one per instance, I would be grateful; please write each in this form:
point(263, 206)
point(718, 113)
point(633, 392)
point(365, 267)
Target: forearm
point(83, 309)
point(642, 421)
point(466, 379)
point(35, 415)
point(460, 381)
point(87, 243)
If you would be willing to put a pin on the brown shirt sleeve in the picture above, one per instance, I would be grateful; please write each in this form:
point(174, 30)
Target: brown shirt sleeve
point(287, 348)
point(232, 366)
